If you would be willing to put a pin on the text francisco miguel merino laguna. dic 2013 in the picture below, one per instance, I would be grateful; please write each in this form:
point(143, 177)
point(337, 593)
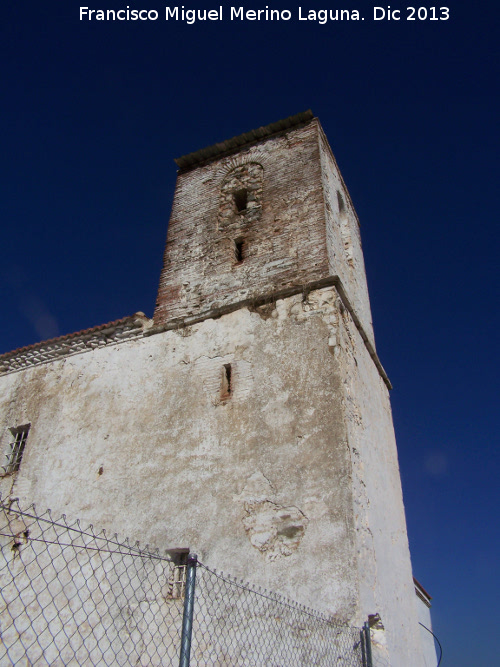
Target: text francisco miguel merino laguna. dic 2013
point(321, 16)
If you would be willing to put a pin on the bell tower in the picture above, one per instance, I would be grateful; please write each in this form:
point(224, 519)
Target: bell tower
point(258, 215)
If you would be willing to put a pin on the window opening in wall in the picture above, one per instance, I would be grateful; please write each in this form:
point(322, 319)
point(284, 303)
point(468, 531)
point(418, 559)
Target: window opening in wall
point(341, 203)
point(177, 579)
point(226, 388)
point(16, 448)
point(240, 195)
point(238, 250)
point(240, 200)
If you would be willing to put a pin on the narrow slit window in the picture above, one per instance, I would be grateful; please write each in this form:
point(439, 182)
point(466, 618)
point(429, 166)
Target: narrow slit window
point(240, 200)
point(226, 389)
point(16, 448)
point(238, 250)
point(340, 201)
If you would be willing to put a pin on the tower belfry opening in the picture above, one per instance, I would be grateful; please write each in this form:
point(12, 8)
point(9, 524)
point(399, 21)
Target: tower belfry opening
point(241, 200)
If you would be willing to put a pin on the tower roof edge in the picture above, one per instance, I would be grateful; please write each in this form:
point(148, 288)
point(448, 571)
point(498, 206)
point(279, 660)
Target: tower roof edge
point(204, 155)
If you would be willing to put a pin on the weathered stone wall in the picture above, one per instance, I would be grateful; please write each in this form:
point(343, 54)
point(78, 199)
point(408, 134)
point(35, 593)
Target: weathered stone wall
point(384, 567)
point(140, 438)
point(282, 228)
point(345, 254)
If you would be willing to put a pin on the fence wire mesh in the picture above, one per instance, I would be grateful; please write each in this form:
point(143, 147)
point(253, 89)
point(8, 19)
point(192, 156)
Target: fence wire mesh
point(73, 596)
point(236, 625)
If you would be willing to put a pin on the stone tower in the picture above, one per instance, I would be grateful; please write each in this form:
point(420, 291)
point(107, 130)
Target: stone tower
point(249, 420)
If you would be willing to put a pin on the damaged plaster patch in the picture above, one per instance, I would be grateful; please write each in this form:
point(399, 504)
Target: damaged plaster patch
point(274, 530)
point(378, 639)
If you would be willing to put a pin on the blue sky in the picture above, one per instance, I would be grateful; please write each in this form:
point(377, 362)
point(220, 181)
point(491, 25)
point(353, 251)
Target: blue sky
point(93, 114)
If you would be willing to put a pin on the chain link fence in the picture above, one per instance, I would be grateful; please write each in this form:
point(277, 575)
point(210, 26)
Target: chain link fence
point(235, 624)
point(73, 596)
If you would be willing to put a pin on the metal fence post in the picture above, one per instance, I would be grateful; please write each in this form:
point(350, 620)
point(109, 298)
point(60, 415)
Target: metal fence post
point(187, 619)
point(362, 642)
point(368, 644)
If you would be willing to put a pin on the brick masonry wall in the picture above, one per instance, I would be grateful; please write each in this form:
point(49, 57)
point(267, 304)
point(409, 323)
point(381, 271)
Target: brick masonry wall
point(282, 229)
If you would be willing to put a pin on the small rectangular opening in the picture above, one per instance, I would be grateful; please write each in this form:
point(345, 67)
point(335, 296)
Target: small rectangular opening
point(341, 204)
point(226, 388)
point(240, 200)
point(238, 250)
point(16, 448)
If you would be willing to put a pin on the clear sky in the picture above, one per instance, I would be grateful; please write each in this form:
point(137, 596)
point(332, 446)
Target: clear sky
point(93, 114)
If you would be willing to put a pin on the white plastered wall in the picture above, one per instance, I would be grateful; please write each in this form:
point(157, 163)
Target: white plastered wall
point(135, 438)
